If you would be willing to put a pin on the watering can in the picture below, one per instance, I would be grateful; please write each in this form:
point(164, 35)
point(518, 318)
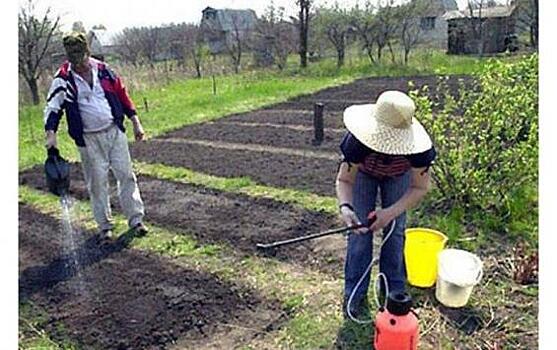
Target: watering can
point(57, 172)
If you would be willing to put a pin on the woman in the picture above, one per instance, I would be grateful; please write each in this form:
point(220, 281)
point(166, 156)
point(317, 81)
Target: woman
point(387, 150)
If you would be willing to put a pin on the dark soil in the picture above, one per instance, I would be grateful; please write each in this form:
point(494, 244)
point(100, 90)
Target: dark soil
point(213, 216)
point(368, 89)
point(263, 135)
point(315, 175)
point(118, 298)
point(331, 119)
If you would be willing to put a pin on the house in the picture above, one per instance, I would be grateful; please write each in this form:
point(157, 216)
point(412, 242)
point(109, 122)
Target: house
point(222, 26)
point(432, 24)
point(496, 25)
point(101, 42)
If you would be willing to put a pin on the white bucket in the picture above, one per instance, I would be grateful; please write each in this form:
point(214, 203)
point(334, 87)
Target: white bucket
point(457, 274)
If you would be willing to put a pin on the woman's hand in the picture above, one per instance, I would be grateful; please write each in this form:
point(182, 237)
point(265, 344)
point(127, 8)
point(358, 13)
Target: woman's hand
point(351, 219)
point(382, 218)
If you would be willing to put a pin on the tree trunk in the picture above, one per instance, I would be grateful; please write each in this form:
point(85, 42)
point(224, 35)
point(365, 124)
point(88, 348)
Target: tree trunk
point(340, 57)
point(369, 51)
point(393, 58)
point(198, 69)
point(534, 36)
point(34, 89)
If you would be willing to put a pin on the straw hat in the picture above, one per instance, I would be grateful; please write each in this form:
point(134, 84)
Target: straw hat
point(388, 126)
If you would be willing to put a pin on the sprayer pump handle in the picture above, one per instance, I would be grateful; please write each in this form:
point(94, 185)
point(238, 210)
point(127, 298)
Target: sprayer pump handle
point(372, 217)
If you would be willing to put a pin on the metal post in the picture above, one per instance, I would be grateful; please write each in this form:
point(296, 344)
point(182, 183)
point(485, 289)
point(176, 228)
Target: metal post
point(318, 123)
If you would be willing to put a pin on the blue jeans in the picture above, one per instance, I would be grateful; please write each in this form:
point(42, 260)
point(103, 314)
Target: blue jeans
point(359, 249)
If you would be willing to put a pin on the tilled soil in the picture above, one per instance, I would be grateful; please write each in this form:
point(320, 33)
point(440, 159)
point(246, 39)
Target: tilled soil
point(263, 135)
point(367, 90)
point(315, 175)
point(117, 298)
point(213, 216)
point(331, 119)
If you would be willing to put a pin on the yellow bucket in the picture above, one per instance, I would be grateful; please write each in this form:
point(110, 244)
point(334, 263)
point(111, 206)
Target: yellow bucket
point(421, 248)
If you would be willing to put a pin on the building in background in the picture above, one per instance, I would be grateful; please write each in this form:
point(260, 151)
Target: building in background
point(222, 26)
point(484, 31)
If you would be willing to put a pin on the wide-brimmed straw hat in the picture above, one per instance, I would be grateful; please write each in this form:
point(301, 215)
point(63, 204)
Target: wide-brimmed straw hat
point(388, 126)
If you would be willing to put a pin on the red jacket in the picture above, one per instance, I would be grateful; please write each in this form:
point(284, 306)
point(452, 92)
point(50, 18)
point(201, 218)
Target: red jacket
point(62, 96)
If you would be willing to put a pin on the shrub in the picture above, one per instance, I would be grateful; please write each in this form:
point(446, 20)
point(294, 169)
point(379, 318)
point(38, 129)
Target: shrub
point(486, 138)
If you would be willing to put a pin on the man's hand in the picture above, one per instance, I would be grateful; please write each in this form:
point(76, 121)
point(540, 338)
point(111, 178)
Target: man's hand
point(50, 139)
point(382, 218)
point(138, 129)
point(351, 219)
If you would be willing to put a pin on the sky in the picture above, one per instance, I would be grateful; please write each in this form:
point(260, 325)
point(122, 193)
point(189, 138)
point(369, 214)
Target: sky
point(116, 15)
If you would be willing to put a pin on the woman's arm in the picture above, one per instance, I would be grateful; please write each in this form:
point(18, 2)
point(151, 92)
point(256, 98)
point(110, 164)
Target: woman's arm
point(419, 186)
point(344, 185)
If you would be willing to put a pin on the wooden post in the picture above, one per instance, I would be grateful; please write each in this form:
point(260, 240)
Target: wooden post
point(214, 85)
point(318, 123)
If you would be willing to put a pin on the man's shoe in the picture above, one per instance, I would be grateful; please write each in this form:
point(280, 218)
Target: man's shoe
point(106, 234)
point(140, 230)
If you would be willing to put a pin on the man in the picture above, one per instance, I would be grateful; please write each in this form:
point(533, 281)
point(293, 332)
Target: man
point(95, 102)
point(386, 150)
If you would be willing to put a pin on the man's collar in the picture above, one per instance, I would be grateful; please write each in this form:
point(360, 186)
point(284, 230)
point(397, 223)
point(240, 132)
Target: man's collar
point(93, 66)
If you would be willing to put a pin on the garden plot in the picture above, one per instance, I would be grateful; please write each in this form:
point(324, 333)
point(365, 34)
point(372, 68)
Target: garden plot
point(236, 220)
point(282, 136)
point(367, 90)
point(273, 146)
point(128, 299)
point(285, 118)
point(277, 168)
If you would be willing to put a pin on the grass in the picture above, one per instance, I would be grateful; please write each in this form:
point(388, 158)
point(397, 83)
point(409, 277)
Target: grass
point(31, 333)
point(242, 185)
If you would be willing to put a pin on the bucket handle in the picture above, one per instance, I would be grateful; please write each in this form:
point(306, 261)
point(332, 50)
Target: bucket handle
point(480, 275)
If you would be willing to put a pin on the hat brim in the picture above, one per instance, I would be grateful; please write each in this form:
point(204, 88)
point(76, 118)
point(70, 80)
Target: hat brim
point(360, 121)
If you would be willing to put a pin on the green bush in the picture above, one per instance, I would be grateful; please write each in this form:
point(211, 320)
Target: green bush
point(487, 140)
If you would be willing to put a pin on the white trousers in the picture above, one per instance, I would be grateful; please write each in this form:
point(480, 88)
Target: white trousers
point(104, 150)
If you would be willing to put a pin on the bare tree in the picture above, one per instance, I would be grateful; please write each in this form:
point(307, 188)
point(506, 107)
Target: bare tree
point(303, 22)
point(35, 36)
point(386, 27)
point(143, 44)
point(194, 46)
point(150, 42)
point(273, 30)
point(476, 22)
point(237, 41)
point(128, 44)
point(365, 25)
point(528, 18)
point(336, 23)
point(410, 29)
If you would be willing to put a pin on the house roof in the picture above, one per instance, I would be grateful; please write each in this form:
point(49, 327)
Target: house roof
point(105, 38)
point(229, 18)
point(439, 7)
point(488, 12)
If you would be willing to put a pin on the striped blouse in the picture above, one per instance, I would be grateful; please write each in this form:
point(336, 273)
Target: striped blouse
point(382, 165)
